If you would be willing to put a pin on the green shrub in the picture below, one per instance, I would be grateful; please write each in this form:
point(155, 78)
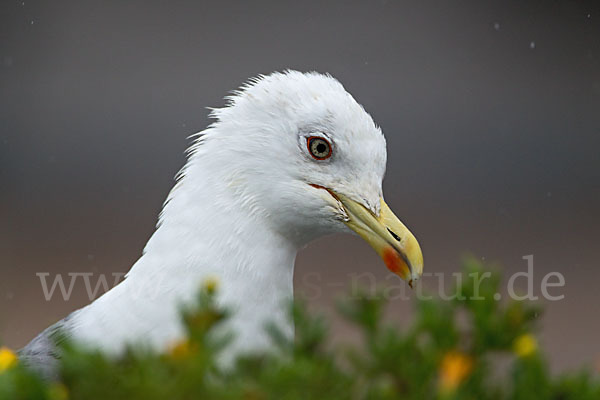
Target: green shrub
point(437, 357)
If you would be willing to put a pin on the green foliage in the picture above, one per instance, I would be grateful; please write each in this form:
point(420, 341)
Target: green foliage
point(451, 351)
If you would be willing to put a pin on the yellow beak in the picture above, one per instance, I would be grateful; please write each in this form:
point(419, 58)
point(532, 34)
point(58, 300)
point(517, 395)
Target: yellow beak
point(388, 236)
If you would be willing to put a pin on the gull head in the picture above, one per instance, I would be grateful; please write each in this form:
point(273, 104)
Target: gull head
point(306, 159)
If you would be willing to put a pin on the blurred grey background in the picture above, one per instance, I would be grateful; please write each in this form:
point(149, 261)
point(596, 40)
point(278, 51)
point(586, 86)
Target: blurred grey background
point(491, 112)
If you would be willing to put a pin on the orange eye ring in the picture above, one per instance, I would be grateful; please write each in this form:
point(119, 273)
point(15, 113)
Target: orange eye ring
point(319, 148)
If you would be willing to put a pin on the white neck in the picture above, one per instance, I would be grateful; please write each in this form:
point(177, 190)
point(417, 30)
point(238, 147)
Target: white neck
point(210, 228)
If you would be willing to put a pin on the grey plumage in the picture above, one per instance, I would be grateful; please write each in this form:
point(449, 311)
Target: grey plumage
point(42, 354)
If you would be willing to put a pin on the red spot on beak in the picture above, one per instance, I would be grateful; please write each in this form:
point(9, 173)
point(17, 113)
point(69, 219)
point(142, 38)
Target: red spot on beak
point(392, 260)
point(395, 263)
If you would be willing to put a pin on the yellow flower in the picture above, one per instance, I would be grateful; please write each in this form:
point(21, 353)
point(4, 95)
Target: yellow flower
point(454, 369)
point(211, 285)
point(8, 359)
point(525, 345)
point(182, 349)
point(58, 391)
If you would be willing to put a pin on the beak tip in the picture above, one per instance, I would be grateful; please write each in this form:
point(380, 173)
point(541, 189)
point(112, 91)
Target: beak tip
point(413, 278)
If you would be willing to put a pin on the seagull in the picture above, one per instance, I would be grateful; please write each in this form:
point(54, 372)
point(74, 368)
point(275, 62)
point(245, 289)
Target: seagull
point(290, 158)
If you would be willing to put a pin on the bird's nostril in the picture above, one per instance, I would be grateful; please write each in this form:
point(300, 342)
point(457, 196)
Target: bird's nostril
point(394, 235)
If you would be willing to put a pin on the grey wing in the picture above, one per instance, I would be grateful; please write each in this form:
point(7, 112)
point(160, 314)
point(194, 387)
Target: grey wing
point(42, 354)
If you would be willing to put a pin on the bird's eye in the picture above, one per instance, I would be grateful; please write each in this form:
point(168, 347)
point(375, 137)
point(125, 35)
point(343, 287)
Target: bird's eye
point(318, 147)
